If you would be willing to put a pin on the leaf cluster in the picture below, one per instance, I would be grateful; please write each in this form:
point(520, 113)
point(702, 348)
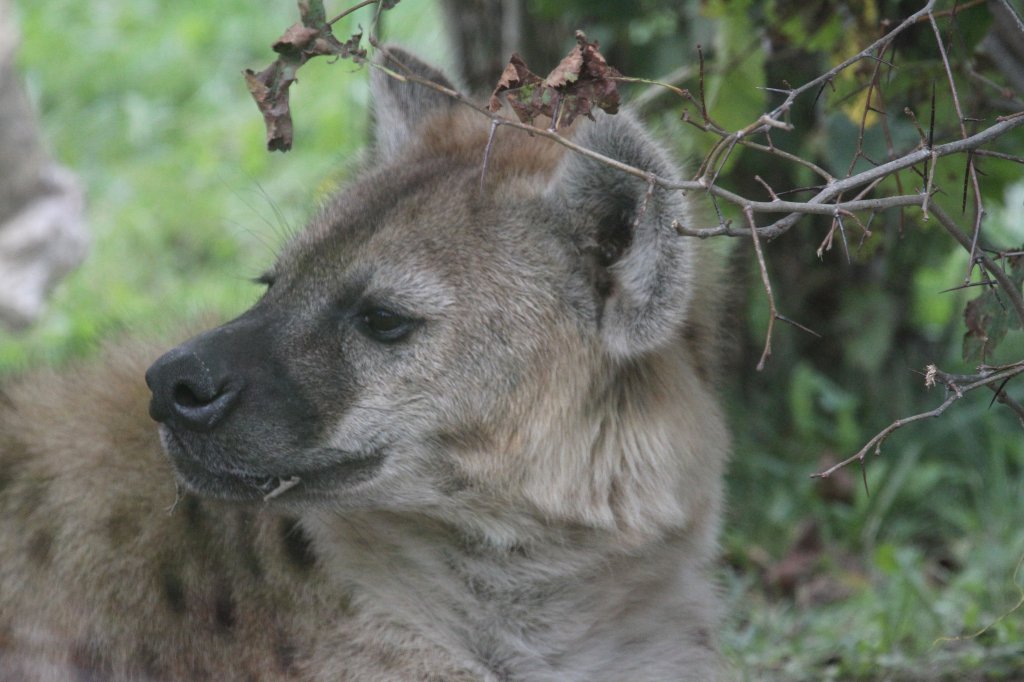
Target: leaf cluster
point(310, 37)
point(582, 81)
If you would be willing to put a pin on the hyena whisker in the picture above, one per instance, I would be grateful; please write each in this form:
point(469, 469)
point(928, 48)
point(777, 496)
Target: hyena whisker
point(281, 229)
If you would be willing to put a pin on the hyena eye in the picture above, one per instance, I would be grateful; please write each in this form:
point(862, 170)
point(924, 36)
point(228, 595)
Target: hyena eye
point(385, 326)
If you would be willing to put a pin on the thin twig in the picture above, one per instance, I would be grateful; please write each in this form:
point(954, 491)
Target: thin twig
point(970, 173)
point(772, 311)
point(827, 77)
point(819, 204)
point(642, 211)
point(984, 378)
point(350, 10)
point(659, 86)
point(999, 155)
point(1011, 290)
point(771, 192)
point(832, 190)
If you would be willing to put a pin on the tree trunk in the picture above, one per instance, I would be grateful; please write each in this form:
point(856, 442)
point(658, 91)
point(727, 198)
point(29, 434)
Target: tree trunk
point(485, 33)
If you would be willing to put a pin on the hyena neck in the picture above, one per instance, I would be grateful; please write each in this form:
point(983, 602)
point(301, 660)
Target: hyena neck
point(558, 572)
point(564, 606)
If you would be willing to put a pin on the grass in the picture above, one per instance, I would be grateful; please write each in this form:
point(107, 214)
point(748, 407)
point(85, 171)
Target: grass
point(921, 580)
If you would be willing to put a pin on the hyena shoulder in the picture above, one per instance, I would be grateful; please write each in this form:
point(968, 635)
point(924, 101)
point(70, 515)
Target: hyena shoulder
point(469, 432)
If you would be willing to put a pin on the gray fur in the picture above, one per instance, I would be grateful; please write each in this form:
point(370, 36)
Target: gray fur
point(525, 486)
point(400, 107)
point(652, 280)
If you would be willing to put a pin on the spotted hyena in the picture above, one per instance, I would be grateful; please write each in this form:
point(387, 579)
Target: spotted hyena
point(469, 432)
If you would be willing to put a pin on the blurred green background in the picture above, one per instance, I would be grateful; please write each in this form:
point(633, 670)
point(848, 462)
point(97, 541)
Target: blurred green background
point(145, 100)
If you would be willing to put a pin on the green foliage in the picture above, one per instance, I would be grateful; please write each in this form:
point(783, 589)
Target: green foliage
point(735, 94)
point(821, 410)
point(640, 37)
point(906, 577)
point(146, 101)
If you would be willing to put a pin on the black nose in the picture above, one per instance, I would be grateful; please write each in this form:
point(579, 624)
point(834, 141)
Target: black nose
point(188, 392)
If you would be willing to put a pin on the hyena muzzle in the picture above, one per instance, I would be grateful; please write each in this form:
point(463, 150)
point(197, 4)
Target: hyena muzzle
point(469, 432)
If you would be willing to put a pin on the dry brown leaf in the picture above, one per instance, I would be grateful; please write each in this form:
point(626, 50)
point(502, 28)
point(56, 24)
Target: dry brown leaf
point(581, 82)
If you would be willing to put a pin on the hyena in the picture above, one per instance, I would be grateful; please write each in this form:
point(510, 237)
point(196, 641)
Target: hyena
point(469, 432)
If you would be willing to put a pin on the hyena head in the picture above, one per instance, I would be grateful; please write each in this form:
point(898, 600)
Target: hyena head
point(446, 332)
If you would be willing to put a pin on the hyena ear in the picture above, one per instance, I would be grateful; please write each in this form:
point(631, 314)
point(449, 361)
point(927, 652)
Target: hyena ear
point(642, 270)
point(400, 107)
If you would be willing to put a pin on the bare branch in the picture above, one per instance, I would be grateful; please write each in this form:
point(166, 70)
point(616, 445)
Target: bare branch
point(832, 190)
point(831, 197)
point(878, 46)
point(350, 10)
point(971, 173)
point(823, 203)
point(999, 155)
point(987, 376)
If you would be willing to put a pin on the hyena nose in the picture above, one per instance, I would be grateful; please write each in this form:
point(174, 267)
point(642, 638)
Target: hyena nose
point(187, 394)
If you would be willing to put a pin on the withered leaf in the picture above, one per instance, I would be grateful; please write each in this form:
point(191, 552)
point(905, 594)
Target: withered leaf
point(308, 38)
point(582, 81)
point(514, 77)
point(295, 39)
point(986, 326)
point(567, 71)
point(269, 89)
point(989, 317)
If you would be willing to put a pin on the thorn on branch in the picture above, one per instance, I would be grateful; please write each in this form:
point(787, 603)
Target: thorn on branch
point(495, 122)
point(864, 475)
point(917, 126)
point(772, 311)
point(794, 323)
point(929, 183)
point(703, 101)
point(352, 9)
point(652, 182)
point(931, 123)
point(764, 184)
point(842, 233)
point(828, 83)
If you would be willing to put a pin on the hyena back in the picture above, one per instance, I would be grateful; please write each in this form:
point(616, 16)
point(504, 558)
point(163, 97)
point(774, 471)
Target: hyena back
point(469, 432)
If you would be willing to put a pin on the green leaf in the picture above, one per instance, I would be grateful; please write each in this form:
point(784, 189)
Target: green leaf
point(735, 97)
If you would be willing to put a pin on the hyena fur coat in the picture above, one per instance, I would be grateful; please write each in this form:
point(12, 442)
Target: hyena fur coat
point(469, 432)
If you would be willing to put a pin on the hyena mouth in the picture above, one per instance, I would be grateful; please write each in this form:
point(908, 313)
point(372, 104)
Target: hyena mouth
point(333, 470)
